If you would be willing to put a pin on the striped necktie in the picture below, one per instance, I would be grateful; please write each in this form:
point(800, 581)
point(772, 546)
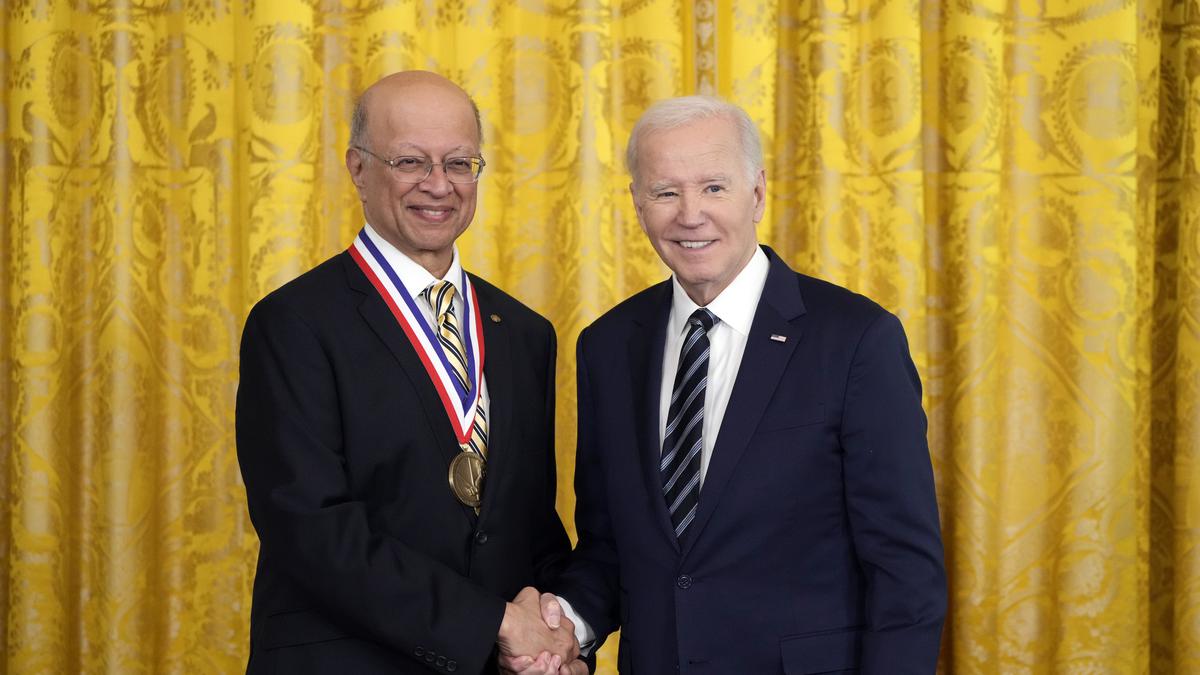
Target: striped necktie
point(680, 464)
point(440, 296)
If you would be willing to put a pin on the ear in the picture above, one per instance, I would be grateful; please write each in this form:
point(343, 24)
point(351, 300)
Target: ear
point(356, 167)
point(760, 194)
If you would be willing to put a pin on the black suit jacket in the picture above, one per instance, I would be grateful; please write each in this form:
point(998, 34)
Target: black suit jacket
point(368, 564)
point(816, 546)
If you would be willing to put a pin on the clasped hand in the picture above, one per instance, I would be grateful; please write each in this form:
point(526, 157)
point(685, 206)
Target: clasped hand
point(536, 639)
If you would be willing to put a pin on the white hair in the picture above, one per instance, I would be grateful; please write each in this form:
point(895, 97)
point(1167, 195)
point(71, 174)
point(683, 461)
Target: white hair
point(676, 112)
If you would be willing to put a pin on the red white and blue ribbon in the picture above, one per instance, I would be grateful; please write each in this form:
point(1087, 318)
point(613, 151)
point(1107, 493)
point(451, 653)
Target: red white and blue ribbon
point(459, 403)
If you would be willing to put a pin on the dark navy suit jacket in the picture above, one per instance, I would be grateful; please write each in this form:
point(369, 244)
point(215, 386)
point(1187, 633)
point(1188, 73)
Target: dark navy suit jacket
point(368, 564)
point(816, 547)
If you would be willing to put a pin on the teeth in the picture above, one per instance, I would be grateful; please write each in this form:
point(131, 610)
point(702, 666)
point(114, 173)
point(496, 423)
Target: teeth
point(432, 212)
point(695, 244)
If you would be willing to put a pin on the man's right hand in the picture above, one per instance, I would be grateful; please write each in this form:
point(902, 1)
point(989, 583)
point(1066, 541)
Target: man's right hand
point(523, 631)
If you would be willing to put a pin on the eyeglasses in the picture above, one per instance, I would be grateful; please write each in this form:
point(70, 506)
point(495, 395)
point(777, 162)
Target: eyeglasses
point(411, 169)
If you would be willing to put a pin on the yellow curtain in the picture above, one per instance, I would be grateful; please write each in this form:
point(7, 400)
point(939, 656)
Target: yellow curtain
point(1017, 180)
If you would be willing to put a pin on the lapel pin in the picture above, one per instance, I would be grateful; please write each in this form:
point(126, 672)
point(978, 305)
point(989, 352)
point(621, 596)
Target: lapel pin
point(778, 338)
point(495, 318)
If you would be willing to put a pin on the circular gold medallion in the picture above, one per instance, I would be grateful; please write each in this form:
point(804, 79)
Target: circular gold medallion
point(466, 478)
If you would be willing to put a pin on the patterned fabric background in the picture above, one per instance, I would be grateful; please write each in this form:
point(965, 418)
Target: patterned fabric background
point(1017, 180)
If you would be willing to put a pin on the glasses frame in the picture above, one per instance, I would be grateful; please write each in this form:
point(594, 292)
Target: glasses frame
point(394, 162)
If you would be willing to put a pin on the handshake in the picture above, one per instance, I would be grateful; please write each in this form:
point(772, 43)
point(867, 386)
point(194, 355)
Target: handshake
point(536, 639)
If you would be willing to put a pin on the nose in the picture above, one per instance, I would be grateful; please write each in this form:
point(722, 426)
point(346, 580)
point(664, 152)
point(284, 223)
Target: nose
point(691, 212)
point(436, 184)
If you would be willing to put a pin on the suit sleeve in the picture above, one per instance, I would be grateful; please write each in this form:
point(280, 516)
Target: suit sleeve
point(290, 451)
point(590, 583)
point(892, 506)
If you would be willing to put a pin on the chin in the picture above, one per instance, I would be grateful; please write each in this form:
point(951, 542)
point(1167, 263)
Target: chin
point(436, 237)
point(692, 274)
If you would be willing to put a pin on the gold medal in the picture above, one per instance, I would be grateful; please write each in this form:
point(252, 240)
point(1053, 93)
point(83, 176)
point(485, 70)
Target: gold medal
point(466, 478)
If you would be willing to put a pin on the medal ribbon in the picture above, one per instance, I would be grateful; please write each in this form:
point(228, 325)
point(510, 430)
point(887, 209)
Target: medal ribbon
point(458, 402)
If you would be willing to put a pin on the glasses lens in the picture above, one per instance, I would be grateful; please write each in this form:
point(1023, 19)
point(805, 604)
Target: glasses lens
point(407, 165)
point(463, 169)
point(460, 167)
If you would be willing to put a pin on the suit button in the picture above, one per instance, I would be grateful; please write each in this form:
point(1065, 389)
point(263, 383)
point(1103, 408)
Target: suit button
point(428, 657)
point(481, 537)
point(441, 661)
point(419, 652)
point(452, 665)
point(684, 581)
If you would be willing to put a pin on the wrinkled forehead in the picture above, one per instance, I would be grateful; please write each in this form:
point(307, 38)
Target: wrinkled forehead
point(418, 117)
point(689, 151)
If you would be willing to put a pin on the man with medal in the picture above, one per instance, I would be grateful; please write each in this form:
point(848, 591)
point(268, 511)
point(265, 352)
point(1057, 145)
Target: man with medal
point(395, 427)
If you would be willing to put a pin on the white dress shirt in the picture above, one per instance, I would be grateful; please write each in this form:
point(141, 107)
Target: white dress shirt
point(734, 308)
point(416, 279)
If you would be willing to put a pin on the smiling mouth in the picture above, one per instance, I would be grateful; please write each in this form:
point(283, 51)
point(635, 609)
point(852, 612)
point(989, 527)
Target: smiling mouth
point(432, 214)
point(695, 244)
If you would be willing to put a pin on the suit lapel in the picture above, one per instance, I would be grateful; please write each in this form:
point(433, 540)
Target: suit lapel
point(646, 345)
point(497, 370)
point(763, 364)
point(379, 318)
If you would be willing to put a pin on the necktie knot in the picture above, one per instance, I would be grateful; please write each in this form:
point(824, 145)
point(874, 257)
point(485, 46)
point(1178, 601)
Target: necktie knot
point(440, 295)
point(704, 319)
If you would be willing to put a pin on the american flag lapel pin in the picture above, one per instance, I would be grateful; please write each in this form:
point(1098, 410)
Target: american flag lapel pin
point(778, 338)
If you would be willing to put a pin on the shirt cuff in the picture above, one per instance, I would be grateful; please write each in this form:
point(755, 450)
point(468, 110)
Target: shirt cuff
point(583, 632)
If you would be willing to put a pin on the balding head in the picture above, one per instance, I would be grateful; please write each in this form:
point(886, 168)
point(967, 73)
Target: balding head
point(396, 85)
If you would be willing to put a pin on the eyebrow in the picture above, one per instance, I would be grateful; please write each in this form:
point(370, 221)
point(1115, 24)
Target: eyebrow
point(664, 185)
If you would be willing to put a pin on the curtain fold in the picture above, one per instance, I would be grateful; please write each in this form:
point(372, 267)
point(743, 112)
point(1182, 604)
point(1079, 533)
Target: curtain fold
point(1016, 180)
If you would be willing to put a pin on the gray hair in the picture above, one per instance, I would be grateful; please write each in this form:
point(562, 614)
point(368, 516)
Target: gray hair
point(676, 112)
point(358, 121)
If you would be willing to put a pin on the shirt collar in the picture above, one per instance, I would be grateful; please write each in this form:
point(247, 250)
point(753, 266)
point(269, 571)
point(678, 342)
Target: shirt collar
point(734, 306)
point(414, 277)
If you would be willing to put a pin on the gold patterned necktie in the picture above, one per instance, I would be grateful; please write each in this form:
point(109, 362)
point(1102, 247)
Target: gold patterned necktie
point(440, 296)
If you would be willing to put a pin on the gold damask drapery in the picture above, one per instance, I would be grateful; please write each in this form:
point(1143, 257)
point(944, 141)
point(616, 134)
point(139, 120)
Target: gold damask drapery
point(1017, 180)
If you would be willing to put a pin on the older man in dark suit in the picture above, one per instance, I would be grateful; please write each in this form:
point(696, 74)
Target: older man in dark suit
point(395, 426)
point(754, 490)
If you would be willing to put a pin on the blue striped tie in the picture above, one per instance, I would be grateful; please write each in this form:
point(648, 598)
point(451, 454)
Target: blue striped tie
point(682, 440)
